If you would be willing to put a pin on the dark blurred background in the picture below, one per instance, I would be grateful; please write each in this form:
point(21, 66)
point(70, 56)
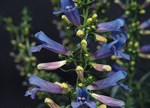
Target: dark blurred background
point(11, 89)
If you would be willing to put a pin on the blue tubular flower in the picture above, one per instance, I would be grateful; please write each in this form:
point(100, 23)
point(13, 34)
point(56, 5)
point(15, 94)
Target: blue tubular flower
point(43, 86)
point(83, 99)
point(145, 49)
point(49, 44)
point(115, 68)
point(69, 9)
point(145, 24)
point(114, 25)
point(109, 101)
point(110, 81)
point(121, 36)
point(109, 49)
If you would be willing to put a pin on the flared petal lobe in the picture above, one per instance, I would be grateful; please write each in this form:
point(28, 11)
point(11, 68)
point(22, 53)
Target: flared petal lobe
point(49, 44)
point(110, 81)
point(105, 51)
point(111, 26)
point(51, 65)
point(73, 16)
point(66, 3)
point(109, 101)
point(110, 49)
point(121, 36)
point(83, 99)
point(43, 86)
point(69, 9)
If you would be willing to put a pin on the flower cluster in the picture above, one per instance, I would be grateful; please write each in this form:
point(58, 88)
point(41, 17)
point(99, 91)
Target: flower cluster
point(82, 57)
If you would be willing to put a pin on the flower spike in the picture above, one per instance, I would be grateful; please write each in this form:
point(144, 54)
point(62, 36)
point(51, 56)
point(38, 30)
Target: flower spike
point(69, 9)
point(49, 44)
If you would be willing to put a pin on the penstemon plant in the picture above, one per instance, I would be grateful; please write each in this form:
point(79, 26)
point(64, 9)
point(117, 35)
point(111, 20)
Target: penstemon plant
point(87, 31)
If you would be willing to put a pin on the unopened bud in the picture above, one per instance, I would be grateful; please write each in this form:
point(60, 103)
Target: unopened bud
point(142, 11)
point(103, 106)
point(80, 72)
point(65, 86)
point(94, 16)
point(51, 103)
point(127, 12)
point(100, 38)
point(107, 68)
point(84, 44)
point(93, 27)
point(101, 67)
point(80, 33)
point(63, 17)
point(117, 1)
point(80, 85)
point(89, 21)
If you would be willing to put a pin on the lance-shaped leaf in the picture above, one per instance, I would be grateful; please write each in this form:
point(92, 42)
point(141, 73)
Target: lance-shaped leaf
point(43, 86)
point(110, 81)
point(109, 101)
point(69, 9)
point(114, 25)
point(51, 65)
point(49, 44)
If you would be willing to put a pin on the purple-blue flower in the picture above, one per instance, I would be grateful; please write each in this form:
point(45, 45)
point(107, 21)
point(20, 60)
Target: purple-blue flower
point(83, 99)
point(113, 48)
point(69, 9)
point(42, 85)
point(145, 24)
point(121, 36)
point(145, 49)
point(49, 44)
point(109, 101)
point(114, 25)
point(112, 80)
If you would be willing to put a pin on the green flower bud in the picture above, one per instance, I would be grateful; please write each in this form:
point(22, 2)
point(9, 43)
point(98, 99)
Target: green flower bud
point(64, 18)
point(51, 103)
point(94, 16)
point(84, 44)
point(80, 72)
point(80, 85)
point(80, 33)
point(142, 11)
point(89, 21)
point(102, 106)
